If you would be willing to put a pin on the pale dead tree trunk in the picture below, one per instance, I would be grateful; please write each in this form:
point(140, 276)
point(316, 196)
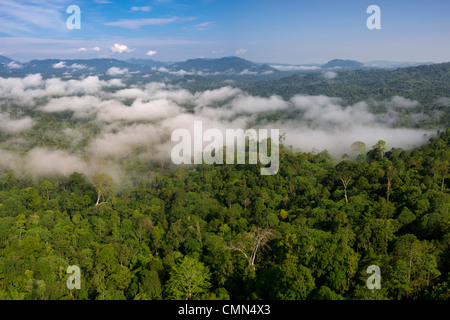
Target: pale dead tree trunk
point(246, 202)
point(390, 173)
point(441, 168)
point(254, 242)
point(345, 178)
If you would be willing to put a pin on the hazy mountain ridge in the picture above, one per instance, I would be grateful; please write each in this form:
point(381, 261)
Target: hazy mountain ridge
point(226, 66)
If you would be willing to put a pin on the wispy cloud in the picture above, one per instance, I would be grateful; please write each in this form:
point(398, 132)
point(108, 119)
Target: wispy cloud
point(240, 51)
point(294, 68)
point(203, 26)
point(14, 65)
point(26, 16)
point(145, 8)
point(138, 23)
point(330, 75)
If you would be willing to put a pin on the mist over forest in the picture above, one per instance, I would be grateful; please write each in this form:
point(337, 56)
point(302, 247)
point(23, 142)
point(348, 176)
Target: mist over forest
point(54, 125)
point(87, 180)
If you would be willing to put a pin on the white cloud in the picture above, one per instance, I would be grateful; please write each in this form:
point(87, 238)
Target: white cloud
point(18, 17)
point(82, 107)
point(203, 26)
point(139, 111)
point(445, 101)
point(48, 162)
point(121, 143)
point(240, 51)
point(14, 125)
point(294, 68)
point(330, 75)
point(14, 65)
point(114, 71)
point(59, 65)
point(246, 71)
point(24, 90)
point(78, 66)
point(119, 48)
point(247, 103)
point(151, 53)
point(82, 50)
point(137, 23)
point(97, 49)
point(141, 129)
point(401, 102)
point(144, 9)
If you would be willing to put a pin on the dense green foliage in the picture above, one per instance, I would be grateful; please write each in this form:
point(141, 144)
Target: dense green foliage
point(226, 232)
point(424, 84)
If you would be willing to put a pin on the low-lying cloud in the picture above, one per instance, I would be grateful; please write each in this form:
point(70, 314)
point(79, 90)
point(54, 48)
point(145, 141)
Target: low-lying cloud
point(117, 123)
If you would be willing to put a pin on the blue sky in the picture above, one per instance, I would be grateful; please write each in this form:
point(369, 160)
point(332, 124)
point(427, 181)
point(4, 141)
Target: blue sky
point(292, 32)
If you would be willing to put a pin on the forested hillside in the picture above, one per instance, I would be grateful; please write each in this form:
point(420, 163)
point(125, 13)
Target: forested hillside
point(226, 232)
point(424, 84)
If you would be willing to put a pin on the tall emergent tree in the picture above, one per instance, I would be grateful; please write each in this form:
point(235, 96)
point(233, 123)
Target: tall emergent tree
point(345, 175)
point(251, 244)
point(188, 279)
point(103, 185)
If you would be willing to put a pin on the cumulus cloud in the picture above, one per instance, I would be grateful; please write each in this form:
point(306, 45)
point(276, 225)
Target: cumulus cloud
point(14, 65)
point(115, 71)
point(337, 142)
point(49, 162)
point(120, 143)
point(78, 66)
point(59, 65)
point(401, 102)
point(247, 103)
point(82, 107)
point(120, 48)
point(14, 125)
point(151, 53)
point(139, 110)
point(24, 90)
point(241, 51)
point(214, 98)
